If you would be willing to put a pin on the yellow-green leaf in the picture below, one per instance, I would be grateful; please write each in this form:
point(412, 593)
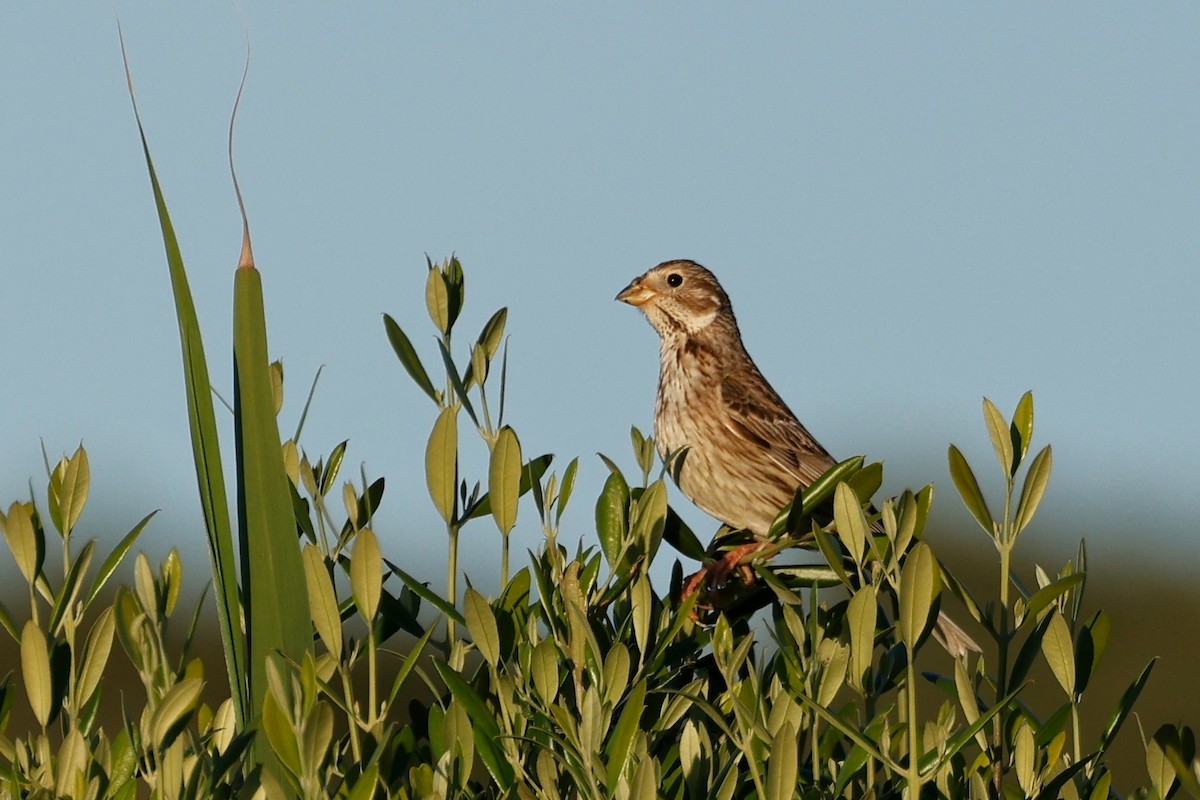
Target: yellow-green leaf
point(1034, 487)
point(861, 615)
point(441, 462)
point(968, 489)
point(504, 479)
point(28, 548)
point(35, 671)
point(437, 300)
point(173, 710)
point(851, 522)
point(366, 574)
point(96, 652)
point(999, 432)
point(782, 765)
point(919, 585)
point(1060, 653)
point(481, 623)
point(1022, 426)
point(322, 603)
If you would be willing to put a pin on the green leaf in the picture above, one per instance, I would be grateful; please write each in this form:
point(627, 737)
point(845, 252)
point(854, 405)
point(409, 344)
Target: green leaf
point(1034, 487)
point(866, 481)
point(174, 709)
point(441, 463)
point(95, 658)
point(1179, 755)
point(1050, 593)
point(782, 766)
point(322, 603)
point(851, 522)
point(486, 731)
point(531, 475)
point(680, 536)
point(1022, 428)
point(621, 741)
point(998, 430)
point(919, 585)
point(366, 574)
point(481, 623)
point(69, 490)
point(861, 615)
point(27, 546)
point(504, 479)
point(968, 489)
point(543, 664)
point(273, 574)
point(35, 671)
point(206, 451)
point(568, 485)
point(456, 383)
point(1059, 652)
point(612, 522)
point(423, 591)
point(1124, 707)
point(437, 300)
point(409, 358)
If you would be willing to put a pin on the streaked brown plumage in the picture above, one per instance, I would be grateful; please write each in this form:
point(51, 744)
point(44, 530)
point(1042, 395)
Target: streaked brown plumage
point(746, 452)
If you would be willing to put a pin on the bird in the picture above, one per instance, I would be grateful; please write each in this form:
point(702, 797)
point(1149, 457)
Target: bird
point(733, 446)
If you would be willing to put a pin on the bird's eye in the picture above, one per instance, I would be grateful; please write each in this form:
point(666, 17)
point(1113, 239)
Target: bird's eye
point(674, 279)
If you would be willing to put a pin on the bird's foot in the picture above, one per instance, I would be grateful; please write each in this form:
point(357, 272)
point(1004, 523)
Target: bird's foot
point(714, 578)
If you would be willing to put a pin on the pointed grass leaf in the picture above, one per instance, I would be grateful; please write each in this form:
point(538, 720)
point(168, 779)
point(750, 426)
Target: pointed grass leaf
point(919, 585)
point(273, 573)
point(612, 517)
point(504, 479)
point(481, 624)
point(851, 522)
point(1034, 487)
point(441, 463)
point(206, 453)
point(366, 574)
point(322, 603)
point(1059, 652)
point(27, 546)
point(35, 672)
point(1022, 428)
point(968, 490)
point(998, 430)
point(486, 731)
point(409, 359)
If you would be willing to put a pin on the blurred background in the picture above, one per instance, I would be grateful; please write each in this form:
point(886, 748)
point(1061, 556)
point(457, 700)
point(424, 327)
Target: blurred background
point(911, 207)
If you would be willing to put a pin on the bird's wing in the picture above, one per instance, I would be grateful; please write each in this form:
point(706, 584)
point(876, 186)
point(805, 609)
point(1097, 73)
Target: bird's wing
point(755, 413)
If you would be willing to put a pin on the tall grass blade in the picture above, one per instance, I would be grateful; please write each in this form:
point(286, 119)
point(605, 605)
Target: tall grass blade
point(206, 451)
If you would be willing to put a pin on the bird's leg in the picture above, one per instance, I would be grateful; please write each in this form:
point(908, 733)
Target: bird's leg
point(715, 575)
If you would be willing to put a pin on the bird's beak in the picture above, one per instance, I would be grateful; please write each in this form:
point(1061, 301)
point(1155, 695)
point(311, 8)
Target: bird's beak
point(636, 294)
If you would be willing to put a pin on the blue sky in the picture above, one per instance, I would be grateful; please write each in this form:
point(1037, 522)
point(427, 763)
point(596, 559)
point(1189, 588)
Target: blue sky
point(911, 207)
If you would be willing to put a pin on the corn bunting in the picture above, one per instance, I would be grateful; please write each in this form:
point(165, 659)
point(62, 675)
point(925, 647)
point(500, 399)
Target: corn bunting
point(744, 451)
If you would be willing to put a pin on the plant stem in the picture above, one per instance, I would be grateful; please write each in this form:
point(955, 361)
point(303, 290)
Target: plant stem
point(452, 577)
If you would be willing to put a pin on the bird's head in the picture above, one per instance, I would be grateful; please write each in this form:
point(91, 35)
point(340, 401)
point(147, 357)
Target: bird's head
point(679, 298)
